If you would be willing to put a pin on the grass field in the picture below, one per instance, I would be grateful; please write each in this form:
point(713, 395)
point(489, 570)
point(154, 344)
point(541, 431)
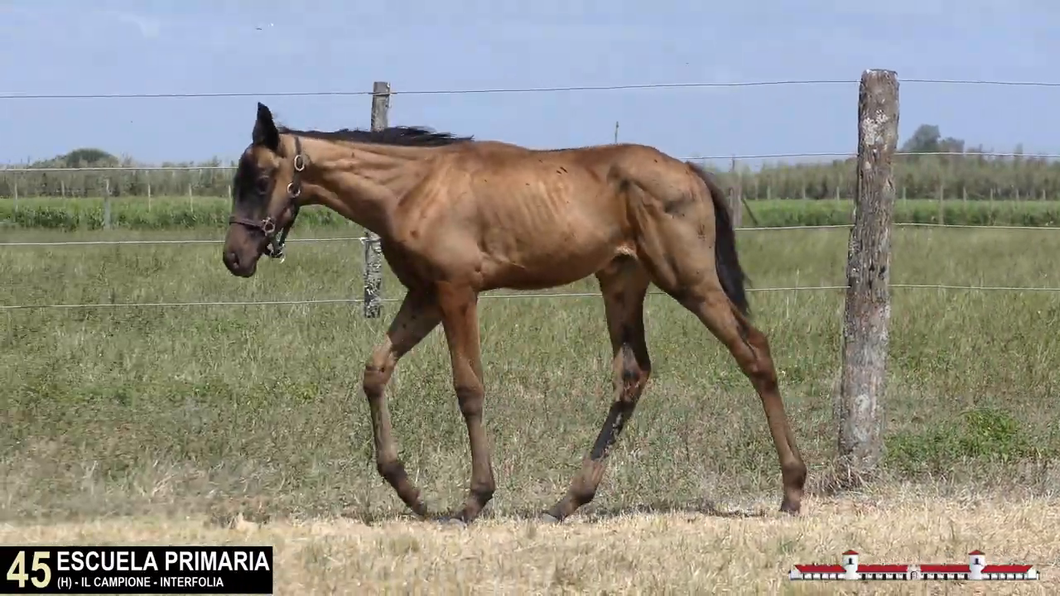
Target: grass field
point(216, 411)
point(139, 213)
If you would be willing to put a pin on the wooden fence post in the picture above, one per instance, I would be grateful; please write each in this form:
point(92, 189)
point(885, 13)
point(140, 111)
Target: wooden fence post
point(942, 202)
point(106, 203)
point(373, 258)
point(736, 195)
point(858, 411)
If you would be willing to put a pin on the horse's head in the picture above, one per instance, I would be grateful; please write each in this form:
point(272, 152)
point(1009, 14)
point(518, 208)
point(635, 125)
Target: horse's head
point(265, 196)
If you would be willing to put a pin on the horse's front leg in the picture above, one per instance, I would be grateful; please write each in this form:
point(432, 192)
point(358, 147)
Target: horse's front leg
point(459, 308)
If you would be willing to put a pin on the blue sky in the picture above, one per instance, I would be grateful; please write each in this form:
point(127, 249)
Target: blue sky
point(113, 46)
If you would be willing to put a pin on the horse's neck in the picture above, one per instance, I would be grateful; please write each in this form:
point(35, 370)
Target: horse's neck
point(364, 182)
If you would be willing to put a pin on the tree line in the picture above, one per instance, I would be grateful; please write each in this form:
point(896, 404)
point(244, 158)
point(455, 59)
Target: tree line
point(970, 175)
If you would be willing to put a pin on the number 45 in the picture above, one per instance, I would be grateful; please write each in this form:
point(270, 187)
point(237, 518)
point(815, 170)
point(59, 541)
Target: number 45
point(17, 571)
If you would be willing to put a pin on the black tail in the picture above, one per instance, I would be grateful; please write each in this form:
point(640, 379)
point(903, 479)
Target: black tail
point(726, 261)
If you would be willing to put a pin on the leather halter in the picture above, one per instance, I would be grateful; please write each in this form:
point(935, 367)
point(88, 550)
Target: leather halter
point(267, 226)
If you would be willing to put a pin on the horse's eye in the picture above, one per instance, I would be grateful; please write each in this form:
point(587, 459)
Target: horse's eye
point(263, 185)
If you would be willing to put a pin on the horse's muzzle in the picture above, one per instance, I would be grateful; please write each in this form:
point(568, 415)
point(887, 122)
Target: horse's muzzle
point(239, 265)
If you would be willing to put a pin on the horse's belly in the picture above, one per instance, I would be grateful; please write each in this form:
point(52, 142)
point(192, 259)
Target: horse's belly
point(552, 262)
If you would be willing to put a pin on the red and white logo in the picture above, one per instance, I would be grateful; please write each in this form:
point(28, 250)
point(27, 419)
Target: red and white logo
point(976, 570)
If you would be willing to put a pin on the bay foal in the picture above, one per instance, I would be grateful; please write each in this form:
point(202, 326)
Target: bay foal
point(458, 217)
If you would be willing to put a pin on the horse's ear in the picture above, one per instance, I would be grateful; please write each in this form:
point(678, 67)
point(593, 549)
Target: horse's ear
point(265, 132)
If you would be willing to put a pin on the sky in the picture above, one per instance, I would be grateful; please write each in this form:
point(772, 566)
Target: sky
point(262, 46)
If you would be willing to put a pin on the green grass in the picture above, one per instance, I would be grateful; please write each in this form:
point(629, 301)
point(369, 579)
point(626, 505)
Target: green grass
point(137, 213)
point(176, 409)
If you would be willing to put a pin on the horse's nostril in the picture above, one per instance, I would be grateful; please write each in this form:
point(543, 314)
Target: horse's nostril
point(232, 258)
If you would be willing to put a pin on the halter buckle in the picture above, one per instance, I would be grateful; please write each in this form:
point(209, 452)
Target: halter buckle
point(275, 250)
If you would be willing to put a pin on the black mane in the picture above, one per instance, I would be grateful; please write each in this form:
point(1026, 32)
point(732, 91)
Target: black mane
point(408, 136)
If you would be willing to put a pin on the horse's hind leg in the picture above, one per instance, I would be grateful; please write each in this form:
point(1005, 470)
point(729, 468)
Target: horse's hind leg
point(686, 242)
point(623, 284)
point(418, 316)
point(689, 275)
point(681, 258)
point(750, 348)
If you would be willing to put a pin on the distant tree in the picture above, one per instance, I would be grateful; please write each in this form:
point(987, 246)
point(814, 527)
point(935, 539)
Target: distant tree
point(89, 156)
point(918, 174)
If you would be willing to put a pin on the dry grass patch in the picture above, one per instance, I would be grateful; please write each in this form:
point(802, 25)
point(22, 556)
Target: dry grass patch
point(658, 554)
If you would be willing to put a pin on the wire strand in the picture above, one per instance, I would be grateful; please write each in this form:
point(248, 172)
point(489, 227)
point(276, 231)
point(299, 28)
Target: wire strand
point(988, 82)
point(900, 225)
point(531, 295)
point(194, 241)
point(748, 156)
point(363, 238)
point(163, 242)
point(501, 90)
point(52, 170)
point(972, 227)
point(481, 91)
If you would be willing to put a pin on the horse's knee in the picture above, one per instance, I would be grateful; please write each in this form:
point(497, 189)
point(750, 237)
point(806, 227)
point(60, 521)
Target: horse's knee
point(634, 374)
point(377, 371)
point(470, 396)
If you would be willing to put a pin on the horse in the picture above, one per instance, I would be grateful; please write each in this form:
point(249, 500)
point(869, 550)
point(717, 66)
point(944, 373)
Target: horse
point(457, 217)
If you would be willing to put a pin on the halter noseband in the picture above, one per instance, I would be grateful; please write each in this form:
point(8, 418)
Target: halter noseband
point(267, 226)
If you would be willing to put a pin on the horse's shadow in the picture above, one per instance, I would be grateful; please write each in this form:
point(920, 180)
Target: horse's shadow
point(598, 514)
point(589, 514)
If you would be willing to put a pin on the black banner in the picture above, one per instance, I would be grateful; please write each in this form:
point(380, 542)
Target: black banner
point(136, 569)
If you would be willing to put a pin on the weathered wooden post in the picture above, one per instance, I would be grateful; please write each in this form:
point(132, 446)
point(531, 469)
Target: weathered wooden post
point(859, 412)
point(736, 195)
point(106, 203)
point(373, 258)
point(942, 202)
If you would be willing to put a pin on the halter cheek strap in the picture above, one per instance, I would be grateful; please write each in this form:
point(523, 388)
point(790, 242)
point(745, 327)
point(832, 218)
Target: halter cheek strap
point(267, 226)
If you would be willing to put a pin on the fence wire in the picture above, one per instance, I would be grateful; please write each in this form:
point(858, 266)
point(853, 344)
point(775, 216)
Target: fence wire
point(58, 243)
point(528, 295)
point(730, 156)
point(546, 295)
point(501, 90)
point(163, 242)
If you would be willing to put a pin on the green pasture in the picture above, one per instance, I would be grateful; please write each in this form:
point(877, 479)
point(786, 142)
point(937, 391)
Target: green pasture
point(158, 213)
point(193, 408)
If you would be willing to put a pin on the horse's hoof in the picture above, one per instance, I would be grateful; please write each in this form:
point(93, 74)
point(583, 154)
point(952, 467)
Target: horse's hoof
point(790, 507)
point(452, 521)
point(547, 518)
